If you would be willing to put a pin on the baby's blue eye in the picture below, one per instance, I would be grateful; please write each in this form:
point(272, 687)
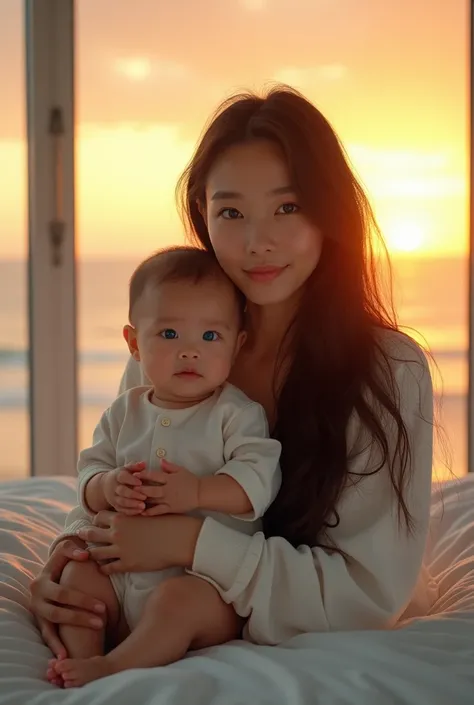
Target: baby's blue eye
point(210, 336)
point(169, 334)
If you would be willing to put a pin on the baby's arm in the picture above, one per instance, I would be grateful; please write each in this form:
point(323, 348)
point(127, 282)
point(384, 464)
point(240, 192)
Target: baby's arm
point(103, 485)
point(221, 493)
point(95, 463)
point(252, 467)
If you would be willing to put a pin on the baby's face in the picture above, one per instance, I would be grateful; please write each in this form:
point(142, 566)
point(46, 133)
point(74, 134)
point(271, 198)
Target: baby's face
point(188, 337)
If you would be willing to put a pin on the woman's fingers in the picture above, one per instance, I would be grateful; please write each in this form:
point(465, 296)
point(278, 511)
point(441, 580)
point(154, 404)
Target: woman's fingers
point(74, 598)
point(95, 534)
point(113, 567)
point(77, 618)
point(103, 553)
point(51, 638)
point(73, 607)
point(65, 551)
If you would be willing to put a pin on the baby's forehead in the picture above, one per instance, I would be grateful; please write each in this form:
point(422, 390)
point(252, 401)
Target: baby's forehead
point(190, 300)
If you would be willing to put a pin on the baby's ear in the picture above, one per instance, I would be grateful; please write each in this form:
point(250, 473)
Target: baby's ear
point(130, 335)
point(241, 338)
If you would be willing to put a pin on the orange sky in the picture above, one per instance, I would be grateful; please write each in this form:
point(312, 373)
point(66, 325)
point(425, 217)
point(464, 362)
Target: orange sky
point(391, 76)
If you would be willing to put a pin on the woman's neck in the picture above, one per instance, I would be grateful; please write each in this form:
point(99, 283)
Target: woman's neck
point(267, 327)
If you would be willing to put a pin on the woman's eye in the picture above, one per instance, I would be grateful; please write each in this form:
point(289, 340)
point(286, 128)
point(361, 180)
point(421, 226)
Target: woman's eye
point(288, 209)
point(230, 214)
point(168, 334)
point(210, 336)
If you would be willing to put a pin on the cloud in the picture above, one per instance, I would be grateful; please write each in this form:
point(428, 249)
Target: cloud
point(142, 68)
point(403, 174)
point(399, 159)
point(322, 73)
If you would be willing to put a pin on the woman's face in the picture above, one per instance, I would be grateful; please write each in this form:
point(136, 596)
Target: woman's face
point(257, 228)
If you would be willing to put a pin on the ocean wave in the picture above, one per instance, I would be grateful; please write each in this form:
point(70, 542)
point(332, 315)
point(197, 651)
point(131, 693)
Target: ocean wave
point(16, 357)
point(18, 398)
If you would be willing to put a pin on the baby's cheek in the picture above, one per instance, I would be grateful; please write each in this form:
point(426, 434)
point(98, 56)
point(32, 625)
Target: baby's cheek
point(222, 364)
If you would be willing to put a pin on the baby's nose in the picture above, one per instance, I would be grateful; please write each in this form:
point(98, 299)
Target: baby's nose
point(190, 354)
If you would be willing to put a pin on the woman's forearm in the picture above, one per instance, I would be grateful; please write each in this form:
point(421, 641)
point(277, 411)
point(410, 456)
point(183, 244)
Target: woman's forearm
point(183, 540)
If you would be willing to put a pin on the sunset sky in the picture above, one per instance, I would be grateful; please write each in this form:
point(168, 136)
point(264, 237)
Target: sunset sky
point(392, 76)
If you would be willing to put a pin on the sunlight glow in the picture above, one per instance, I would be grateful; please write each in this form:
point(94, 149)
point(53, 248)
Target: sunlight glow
point(135, 69)
point(405, 236)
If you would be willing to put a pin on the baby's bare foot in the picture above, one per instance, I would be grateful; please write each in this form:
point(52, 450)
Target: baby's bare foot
point(52, 675)
point(79, 671)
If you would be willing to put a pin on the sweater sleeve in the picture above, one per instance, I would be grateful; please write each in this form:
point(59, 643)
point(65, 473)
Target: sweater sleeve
point(252, 458)
point(285, 591)
point(100, 457)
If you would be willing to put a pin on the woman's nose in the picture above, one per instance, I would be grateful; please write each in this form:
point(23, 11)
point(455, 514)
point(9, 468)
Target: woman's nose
point(260, 239)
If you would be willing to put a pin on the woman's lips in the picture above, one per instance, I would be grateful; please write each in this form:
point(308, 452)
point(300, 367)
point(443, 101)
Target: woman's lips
point(264, 274)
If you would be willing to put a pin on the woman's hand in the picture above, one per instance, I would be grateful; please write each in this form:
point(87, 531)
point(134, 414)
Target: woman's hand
point(142, 544)
point(53, 604)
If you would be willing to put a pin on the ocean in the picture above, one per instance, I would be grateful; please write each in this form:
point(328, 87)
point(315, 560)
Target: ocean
point(431, 297)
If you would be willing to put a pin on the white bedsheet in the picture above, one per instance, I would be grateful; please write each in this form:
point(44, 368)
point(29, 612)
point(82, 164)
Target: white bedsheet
point(427, 662)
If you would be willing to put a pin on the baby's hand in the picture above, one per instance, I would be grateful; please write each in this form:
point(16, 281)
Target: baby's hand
point(123, 489)
point(175, 490)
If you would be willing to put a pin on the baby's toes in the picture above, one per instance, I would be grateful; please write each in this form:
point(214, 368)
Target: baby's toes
point(65, 667)
point(54, 678)
point(71, 683)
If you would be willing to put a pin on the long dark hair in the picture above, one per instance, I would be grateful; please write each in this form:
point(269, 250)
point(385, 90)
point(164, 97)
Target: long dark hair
point(337, 362)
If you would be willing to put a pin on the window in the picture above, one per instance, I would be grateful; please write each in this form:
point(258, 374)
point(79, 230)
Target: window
point(14, 377)
point(149, 77)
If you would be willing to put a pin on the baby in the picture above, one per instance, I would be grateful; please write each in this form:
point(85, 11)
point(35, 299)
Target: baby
point(186, 329)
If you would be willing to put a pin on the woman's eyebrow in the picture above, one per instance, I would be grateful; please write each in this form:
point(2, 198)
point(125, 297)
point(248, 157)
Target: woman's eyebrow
point(223, 195)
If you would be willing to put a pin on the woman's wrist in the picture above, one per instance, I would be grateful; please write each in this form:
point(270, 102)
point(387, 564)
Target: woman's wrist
point(186, 538)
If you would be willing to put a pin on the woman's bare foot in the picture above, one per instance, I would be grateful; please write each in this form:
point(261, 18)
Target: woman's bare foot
point(79, 671)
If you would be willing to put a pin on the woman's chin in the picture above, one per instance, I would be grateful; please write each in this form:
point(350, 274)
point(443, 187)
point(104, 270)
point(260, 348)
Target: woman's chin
point(261, 295)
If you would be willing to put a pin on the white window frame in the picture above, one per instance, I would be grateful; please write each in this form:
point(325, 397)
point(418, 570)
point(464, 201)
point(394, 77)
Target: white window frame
point(49, 34)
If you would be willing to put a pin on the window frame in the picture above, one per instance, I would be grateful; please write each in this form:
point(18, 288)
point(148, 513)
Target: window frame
point(49, 41)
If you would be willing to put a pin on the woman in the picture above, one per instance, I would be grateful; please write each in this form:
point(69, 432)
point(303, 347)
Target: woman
point(270, 191)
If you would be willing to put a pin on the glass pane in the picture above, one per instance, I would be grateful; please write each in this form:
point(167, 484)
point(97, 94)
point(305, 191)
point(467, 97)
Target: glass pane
point(14, 411)
point(148, 78)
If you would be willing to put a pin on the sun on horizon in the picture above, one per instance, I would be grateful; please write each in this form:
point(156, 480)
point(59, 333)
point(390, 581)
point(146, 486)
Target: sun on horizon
point(406, 236)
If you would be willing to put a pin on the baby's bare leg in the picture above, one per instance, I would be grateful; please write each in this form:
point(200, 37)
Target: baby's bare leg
point(82, 642)
point(182, 614)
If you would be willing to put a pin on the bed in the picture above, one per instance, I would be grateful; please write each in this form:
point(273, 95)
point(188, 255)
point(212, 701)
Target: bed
point(428, 661)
